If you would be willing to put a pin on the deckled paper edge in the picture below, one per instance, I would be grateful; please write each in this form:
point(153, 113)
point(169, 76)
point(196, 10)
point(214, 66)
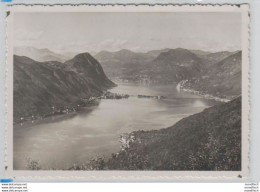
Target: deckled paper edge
point(132, 174)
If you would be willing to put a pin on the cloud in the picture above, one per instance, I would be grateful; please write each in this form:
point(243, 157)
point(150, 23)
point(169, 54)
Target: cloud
point(25, 35)
point(112, 44)
point(87, 46)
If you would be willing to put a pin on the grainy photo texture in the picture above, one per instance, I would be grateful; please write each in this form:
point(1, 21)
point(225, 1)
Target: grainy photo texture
point(128, 90)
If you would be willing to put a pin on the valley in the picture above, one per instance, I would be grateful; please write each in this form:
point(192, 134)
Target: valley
point(145, 109)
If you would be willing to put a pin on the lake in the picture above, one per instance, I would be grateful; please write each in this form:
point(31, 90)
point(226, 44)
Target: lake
point(61, 141)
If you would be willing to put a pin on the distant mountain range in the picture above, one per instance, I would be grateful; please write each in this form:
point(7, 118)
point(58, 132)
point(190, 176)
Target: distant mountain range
point(115, 64)
point(49, 78)
point(210, 140)
point(129, 65)
point(217, 73)
point(125, 64)
point(42, 55)
point(40, 86)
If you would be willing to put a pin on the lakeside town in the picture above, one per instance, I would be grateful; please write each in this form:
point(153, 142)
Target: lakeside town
point(181, 86)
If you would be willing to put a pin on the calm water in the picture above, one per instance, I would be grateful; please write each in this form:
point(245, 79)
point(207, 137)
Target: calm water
point(60, 141)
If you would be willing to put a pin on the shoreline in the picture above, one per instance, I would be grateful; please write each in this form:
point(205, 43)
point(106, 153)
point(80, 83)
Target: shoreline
point(76, 107)
point(125, 139)
point(135, 145)
point(180, 87)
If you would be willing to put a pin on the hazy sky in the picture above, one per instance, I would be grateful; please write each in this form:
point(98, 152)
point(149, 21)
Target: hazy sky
point(93, 32)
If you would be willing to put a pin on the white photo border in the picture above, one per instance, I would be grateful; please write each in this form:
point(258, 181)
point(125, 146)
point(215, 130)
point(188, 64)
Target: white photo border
point(133, 175)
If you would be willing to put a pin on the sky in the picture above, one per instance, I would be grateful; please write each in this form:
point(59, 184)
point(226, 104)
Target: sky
point(140, 32)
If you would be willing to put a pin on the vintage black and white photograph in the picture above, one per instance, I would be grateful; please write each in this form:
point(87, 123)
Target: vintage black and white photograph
point(128, 90)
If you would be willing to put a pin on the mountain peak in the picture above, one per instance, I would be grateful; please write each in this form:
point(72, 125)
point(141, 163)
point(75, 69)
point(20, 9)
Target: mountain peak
point(179, 50)
point(178, 53)
point(23, 59)
point(83, 59)
point(83, 56)
point(125, 51)
point(45, 50)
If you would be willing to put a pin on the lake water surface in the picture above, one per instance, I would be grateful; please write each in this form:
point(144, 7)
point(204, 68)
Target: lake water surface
point(60, 141)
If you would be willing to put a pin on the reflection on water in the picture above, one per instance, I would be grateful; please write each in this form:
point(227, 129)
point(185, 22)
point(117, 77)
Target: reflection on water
point(61, 141)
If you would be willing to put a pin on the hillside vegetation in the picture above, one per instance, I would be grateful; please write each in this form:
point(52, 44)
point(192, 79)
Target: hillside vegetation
point(221, 79)
point(210, 140)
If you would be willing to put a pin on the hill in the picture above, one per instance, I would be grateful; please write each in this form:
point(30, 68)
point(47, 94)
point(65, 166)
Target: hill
point(210, 140)
point(40, 86)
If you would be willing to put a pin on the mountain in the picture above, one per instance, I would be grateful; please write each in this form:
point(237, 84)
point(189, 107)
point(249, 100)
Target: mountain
point(213, 58)
point(222, 79)
point(217, 74)
point(116, 63)
point(40, 55)
point(174, 65)
point(88, 67)
point(199, 52)
point(123, 55)
point(170, 66)
point(40, 86)
point(70, 55)
point(154, 53)
point(210, 140)
point(125, 63)
point(157, 66)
